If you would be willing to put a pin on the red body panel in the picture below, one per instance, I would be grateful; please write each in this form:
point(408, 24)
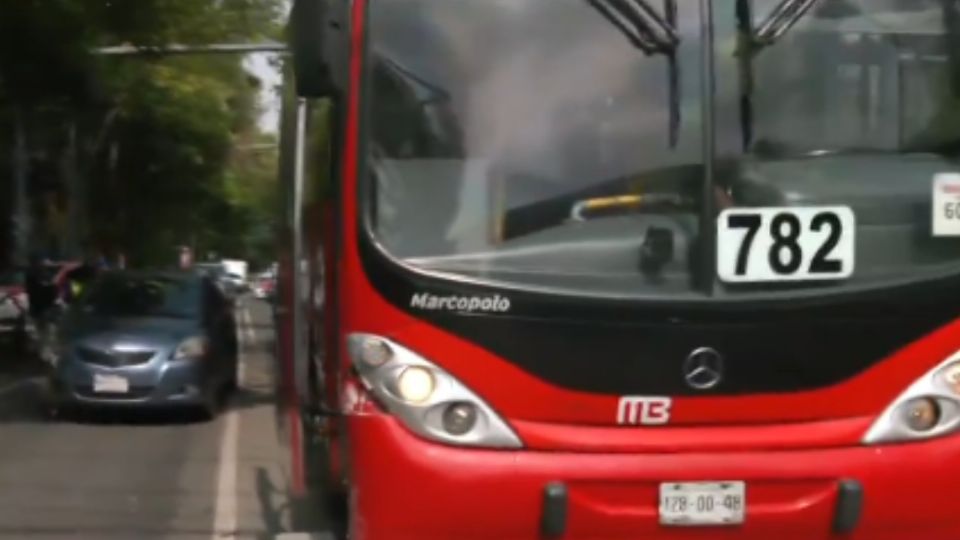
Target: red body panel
point(822, 434)
point(403, 487)
point(289, 403)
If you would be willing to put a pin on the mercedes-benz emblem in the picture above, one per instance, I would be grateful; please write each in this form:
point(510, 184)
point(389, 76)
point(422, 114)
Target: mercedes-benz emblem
point(703, 368)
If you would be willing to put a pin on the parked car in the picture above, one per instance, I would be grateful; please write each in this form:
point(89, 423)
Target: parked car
point(146, 339)
point(231, 284)
point(235, 283)
point(264, 286)
point(14, 306)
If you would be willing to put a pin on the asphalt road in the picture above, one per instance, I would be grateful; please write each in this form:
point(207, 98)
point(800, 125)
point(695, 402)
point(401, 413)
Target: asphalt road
point(135, 476)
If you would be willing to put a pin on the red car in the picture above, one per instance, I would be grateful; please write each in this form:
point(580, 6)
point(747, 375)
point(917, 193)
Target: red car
point(264, 287)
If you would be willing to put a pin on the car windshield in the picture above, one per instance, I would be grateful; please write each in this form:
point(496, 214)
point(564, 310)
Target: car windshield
point(144, 296)
point(560, 154)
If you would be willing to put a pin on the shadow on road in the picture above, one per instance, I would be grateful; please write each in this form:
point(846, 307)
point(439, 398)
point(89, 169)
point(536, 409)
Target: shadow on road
point(309, 513)
point(24, 403)
point(15, 363)
point(241, 399)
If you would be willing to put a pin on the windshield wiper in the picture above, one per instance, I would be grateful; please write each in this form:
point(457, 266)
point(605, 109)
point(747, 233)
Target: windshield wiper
point(641, 24)
point(751, 41)
point(436, 93)
point(652, 34)
point(781, 20)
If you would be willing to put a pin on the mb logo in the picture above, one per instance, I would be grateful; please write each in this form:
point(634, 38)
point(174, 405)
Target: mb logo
point(641, 410)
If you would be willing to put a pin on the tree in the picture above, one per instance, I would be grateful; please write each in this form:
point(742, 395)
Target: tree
point(151, 137)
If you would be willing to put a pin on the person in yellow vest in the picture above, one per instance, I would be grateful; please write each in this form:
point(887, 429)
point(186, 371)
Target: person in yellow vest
point(78, 279)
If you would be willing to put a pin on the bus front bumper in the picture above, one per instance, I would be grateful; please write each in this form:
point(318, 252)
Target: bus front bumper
point(402, 487)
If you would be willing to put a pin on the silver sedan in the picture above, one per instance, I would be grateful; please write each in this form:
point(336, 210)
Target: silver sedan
point(140, 339)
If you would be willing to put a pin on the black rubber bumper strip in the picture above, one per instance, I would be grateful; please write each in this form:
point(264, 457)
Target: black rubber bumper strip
point(849, 506)
point(553, 523)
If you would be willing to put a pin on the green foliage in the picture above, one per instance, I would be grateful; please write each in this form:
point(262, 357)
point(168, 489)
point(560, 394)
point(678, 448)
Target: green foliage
point(163, 141)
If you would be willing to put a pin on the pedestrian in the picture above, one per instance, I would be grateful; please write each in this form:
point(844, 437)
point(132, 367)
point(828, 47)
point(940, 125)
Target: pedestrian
point(80, 277)
point(41, 296)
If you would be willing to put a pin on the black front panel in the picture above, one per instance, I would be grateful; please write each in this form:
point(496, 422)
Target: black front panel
point(626, 347)
point(631, 358)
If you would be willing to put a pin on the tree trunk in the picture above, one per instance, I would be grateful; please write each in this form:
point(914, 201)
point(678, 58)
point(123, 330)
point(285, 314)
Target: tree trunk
point(76, 203)
point(21, 204)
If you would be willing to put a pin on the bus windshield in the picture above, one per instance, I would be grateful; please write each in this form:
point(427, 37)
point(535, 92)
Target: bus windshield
point(533, 143)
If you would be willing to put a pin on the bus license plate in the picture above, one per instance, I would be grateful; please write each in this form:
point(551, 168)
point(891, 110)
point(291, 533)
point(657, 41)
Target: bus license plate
point(702, 503)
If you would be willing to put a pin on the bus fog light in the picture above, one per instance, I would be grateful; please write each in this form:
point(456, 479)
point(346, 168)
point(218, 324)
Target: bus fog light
point(375, 352)
point(951, 376)
point(921, 414)
point(459, 418)
point(415, 384)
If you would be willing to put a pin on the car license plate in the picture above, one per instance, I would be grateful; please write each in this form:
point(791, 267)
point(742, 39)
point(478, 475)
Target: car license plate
point(110, 384)
point(702, 503)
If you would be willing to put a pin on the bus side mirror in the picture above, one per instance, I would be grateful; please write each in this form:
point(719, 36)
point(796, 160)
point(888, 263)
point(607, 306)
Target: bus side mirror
point(308, 31)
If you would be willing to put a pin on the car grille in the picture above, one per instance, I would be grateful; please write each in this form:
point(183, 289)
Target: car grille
point(114, 358)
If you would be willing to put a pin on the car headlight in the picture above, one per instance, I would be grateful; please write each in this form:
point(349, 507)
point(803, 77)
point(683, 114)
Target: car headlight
point(193, 348)
point(928, 408)
point(427, 399)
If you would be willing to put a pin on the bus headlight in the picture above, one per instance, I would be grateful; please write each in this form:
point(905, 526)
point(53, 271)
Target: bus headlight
point(459, 418)
point(951, 376)
point(374, 352)
point(921, 414)
point(427, 399)
point(415, 384)
point(930, 407)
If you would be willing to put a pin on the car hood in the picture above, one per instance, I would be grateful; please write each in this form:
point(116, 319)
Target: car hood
point(106, 332)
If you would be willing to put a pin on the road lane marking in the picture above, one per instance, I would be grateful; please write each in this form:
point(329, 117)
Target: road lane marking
point(251, 339)
point(225, 510)
point(225, 514)
point(251, 332)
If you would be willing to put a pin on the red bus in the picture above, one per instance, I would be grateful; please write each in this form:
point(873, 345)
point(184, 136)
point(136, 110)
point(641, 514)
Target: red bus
point(625, 269)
